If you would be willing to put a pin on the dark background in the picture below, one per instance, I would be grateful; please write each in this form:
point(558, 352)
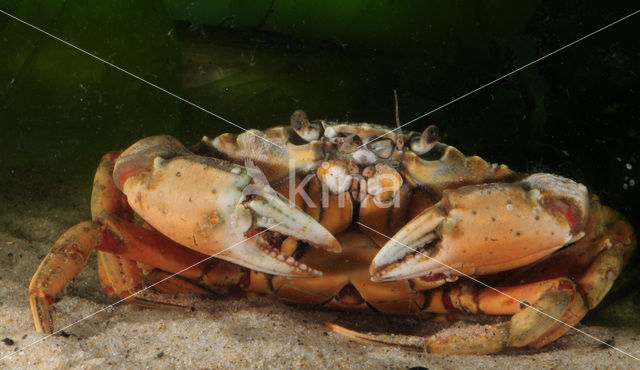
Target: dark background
point(575, 113)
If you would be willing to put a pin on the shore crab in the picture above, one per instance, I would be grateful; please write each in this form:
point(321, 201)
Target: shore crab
point(348, 216)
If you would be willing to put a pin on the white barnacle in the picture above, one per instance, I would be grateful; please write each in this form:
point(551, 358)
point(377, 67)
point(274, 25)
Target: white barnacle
point(330, 132)
point(159, 162)
point(337, 179)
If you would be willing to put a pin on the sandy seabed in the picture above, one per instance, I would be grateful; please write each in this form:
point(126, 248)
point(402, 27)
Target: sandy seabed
point(221, 333)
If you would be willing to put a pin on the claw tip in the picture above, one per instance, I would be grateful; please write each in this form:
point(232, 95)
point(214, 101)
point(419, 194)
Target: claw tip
point(335, 246)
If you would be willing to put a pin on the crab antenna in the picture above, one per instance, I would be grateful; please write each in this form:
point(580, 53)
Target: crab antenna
point(400, 137)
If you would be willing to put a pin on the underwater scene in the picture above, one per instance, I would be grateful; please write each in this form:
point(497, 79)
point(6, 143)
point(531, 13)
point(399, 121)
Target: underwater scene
point(277, 184)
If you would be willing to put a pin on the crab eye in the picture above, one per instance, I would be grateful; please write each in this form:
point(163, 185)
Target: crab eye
point(425, 142)
point(308, 131)
point(298, 119)
point(382, 148)
point(431, 134)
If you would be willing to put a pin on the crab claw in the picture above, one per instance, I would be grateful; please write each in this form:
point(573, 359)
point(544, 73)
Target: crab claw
point(483, 229)
point(215, 207)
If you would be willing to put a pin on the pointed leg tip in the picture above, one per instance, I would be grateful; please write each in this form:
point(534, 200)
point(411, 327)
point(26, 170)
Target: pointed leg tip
point(339, 329)
point(330, 325)
point(41, 315)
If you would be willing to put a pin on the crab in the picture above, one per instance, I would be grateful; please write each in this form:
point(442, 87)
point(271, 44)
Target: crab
point(346, 216)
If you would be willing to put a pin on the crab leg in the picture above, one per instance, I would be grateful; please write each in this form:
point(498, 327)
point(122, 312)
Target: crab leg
point(121, 278)
point(525, 326)
point(118, 276)
point(214, 206)
point(71, 251)
point(62, 264)
point(483, 229)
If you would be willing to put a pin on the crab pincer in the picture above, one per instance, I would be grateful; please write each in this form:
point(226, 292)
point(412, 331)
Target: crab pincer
point(216, 207)
point(486, 228)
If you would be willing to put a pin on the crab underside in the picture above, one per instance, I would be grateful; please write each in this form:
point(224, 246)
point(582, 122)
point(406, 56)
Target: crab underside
point(348, 216)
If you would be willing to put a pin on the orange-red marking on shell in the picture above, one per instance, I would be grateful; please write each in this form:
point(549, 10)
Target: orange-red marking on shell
point(213, 220)
point(565, 285)
point(253, 231)
point(124, 173)
point(566, 210)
